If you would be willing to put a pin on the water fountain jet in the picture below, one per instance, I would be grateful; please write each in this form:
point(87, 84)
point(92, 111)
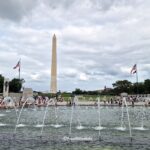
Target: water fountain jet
point(70, 138)
point(18, 119)
point(9, 102)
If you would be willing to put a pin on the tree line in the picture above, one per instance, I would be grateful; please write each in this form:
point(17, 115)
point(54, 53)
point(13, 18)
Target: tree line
point(78, 91)
point(14, 85)
point(119, 87)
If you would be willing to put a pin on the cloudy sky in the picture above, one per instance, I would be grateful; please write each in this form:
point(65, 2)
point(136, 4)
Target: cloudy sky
point(98, 41)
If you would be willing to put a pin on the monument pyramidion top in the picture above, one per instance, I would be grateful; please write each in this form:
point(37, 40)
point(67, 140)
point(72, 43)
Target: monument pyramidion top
point(54, 36)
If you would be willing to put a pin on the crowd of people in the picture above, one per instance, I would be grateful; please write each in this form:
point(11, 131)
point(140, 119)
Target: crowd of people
point(130, 99)
point(9, 102)
point(39, 101)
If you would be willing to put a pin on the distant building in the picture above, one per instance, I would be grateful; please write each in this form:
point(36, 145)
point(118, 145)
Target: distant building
point(105, 90)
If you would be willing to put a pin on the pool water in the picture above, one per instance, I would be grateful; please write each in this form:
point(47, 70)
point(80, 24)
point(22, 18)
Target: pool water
point(85, 131)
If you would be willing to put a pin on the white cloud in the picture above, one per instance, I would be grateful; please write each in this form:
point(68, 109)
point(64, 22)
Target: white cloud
point(98, 41)
point(35, 77)
point(83, 77)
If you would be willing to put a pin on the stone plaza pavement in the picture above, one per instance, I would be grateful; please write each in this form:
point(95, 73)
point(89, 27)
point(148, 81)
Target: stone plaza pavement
point(93, 103)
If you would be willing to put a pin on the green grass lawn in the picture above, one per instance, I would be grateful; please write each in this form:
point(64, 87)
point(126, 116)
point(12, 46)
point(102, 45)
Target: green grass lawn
point(88, 97)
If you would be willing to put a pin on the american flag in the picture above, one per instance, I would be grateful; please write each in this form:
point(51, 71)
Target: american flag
point(134, 69)
point(17, 65)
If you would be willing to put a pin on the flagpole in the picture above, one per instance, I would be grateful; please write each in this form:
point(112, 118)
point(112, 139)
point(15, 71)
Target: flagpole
point(136, 80)
point(19, 73)
point(19, 68)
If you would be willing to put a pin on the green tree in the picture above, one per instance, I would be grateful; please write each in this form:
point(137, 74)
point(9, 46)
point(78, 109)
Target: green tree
point(15, 85)
point(1, 83)
point(141, 88)
point(147, 86)
point(122, 86)
point(138, 88)
point(77, 91)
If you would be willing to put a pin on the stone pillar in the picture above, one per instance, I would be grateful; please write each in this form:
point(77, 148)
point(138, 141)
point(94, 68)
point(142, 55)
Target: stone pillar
point(6, 87)
point(53, 88)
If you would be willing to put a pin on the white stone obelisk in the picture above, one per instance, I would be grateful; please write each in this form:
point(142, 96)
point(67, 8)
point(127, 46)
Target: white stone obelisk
point(53, 88)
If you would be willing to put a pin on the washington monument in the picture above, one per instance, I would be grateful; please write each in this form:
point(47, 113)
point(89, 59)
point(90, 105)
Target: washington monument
point(53, 88)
